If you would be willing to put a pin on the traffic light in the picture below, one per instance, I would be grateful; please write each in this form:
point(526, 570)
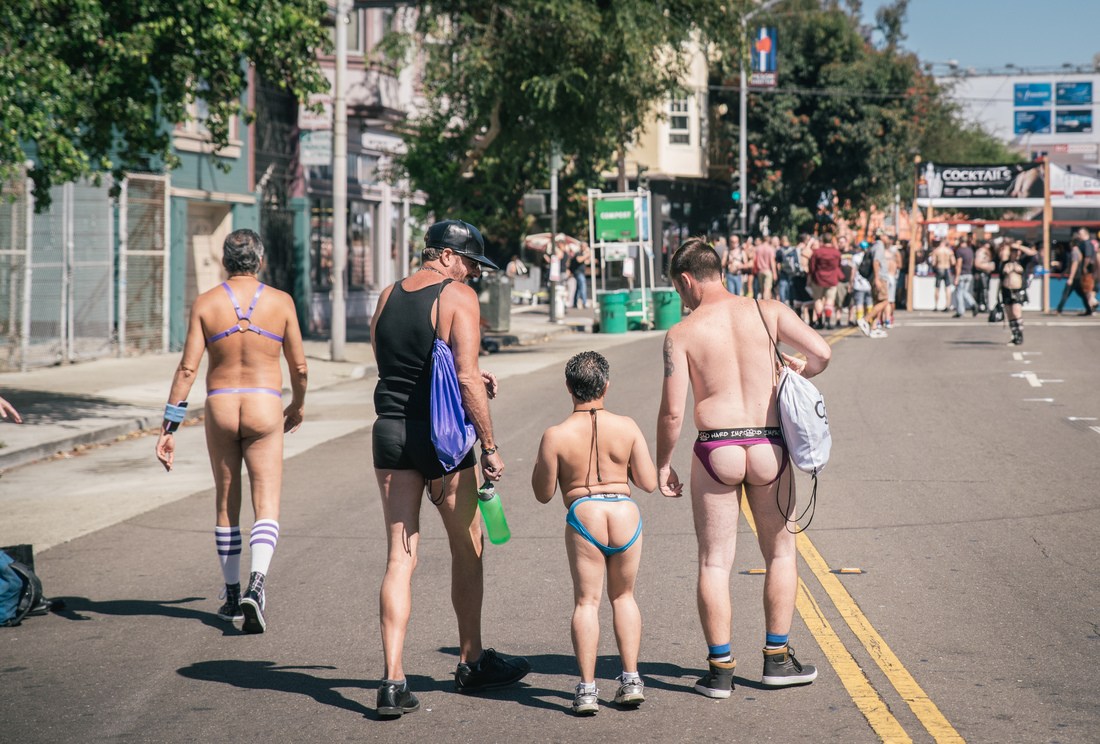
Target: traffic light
point(736, 195)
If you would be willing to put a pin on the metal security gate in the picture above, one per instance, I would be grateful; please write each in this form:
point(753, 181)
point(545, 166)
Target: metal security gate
point(58, 289)
point(143, 264)
point(57, 267)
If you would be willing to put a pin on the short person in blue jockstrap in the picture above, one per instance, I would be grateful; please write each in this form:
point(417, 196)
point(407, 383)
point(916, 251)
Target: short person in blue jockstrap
point(593, 455)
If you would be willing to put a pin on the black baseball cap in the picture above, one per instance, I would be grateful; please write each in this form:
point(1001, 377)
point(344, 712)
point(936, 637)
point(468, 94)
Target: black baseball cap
point(461, 237)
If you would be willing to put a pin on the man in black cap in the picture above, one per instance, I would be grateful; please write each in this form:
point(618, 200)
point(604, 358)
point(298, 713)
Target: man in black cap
point(410, 314)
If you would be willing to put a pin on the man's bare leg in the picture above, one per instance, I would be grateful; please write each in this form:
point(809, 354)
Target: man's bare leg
point(460, 519)
point(715, 509)
point(401, 494)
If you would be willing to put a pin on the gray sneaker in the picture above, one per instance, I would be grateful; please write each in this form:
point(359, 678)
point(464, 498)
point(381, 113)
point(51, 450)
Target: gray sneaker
point(630, 693)
point(586, 703)
point(782, 669)
point(718, 681)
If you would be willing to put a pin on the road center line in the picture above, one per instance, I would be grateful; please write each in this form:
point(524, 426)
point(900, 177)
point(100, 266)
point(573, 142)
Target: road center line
point(922, 706)
point(885, 725)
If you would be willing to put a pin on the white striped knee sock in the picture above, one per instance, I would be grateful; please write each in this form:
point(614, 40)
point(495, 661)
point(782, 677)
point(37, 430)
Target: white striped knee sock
point(228, 541)
point(265, 535)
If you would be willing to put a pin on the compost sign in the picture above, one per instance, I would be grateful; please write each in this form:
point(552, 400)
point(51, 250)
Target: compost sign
point(615, 220)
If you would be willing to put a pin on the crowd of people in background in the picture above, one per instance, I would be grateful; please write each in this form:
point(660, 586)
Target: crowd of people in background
point(819, 277)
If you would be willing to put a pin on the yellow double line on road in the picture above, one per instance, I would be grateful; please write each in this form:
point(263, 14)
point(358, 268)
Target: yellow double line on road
point(859, 688)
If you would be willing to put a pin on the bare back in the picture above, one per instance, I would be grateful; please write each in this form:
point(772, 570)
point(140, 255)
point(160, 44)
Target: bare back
point(567, 456)
point(245, 359)
point(731, 363)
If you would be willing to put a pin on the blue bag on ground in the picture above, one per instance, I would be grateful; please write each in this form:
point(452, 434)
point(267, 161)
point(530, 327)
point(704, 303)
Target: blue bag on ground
point(11, 589)
point(452, 433)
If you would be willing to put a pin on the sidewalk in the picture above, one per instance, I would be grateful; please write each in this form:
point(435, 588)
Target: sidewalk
point(78, 405)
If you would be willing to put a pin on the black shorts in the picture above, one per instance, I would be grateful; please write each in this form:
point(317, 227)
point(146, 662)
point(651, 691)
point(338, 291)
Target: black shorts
point(403, 444)
point(1013, 296)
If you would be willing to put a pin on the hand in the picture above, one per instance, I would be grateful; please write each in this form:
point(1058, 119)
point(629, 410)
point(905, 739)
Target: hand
point(797, 365)
point(669, 482)
point(492, 466)
point(491, 385)
point(166, 450)
point(292, 417)
point(7, 409)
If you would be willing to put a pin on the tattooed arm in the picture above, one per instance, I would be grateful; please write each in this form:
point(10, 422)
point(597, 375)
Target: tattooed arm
point(671, 417)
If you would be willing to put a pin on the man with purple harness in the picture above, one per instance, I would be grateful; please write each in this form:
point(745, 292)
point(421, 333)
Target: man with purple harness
point(245, 419)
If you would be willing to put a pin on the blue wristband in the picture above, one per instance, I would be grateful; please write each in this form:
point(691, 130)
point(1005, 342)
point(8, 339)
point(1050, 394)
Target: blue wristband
point(174, 415)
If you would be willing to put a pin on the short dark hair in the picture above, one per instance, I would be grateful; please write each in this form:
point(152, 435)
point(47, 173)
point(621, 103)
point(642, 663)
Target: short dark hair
point(697, 258)
point(242, 252)
point(430, 254)
point(587, 374)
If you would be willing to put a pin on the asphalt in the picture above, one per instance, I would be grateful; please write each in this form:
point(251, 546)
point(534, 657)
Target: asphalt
point(71, 407)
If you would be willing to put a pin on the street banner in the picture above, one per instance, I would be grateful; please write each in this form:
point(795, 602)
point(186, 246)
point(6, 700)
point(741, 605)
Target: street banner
point(615, 220)
point(765, 67)
point(1016, 181)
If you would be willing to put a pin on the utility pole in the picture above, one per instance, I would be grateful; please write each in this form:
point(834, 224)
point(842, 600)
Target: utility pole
point(555, 165)
point(338, 329)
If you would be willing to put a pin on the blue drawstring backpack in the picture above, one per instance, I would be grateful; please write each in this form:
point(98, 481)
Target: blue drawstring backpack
point(452, 433)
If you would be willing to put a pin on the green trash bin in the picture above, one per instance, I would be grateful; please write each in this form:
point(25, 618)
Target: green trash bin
point(612, 311)
point(635, 318)
point(666, 308)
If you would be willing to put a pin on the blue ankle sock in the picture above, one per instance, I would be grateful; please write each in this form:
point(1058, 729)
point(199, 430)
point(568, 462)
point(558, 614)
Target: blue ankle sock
point(773, 640)
point(719, 653)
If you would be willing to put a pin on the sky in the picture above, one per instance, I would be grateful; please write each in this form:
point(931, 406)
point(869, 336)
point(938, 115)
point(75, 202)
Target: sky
point(993, 33)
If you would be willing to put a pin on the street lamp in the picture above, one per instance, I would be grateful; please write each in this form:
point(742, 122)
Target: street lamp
point(743, 95)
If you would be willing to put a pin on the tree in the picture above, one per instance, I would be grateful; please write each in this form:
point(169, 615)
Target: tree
point(96, 85)
point(503, 81)
point(847, 115)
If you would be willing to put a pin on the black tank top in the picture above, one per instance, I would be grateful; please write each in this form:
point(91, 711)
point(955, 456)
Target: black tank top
point(405, 334)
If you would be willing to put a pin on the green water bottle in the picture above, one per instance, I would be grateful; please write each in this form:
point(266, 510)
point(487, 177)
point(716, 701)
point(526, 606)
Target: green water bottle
point(492, 511)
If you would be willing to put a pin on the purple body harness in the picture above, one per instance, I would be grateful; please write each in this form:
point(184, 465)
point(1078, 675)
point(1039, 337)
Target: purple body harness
point(241, 329)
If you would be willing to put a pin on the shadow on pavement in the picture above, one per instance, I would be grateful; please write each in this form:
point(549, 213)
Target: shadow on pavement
point(266, 675)
point(42, 407)
point(75, 607)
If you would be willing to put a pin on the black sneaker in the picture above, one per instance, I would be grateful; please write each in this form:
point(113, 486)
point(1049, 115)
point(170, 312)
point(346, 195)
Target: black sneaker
point(396, 700)
point(781, 668)
point(718, 681)
point(490, 671)
point(231, 610)
point(253, 603)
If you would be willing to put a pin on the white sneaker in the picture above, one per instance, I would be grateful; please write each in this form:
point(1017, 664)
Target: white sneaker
point(864, 327)
point(878, 333)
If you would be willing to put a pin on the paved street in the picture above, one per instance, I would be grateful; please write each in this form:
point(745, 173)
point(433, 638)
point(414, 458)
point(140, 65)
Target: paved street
point(962, 484)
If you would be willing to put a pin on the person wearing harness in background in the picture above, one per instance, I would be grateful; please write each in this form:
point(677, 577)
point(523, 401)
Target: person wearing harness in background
point(245, 418)
point(593, 455)
point(722, 354)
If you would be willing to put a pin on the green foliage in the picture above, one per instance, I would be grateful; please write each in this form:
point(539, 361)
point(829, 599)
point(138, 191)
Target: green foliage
point(847, 115)
point(505, 80)
point(94, 85)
